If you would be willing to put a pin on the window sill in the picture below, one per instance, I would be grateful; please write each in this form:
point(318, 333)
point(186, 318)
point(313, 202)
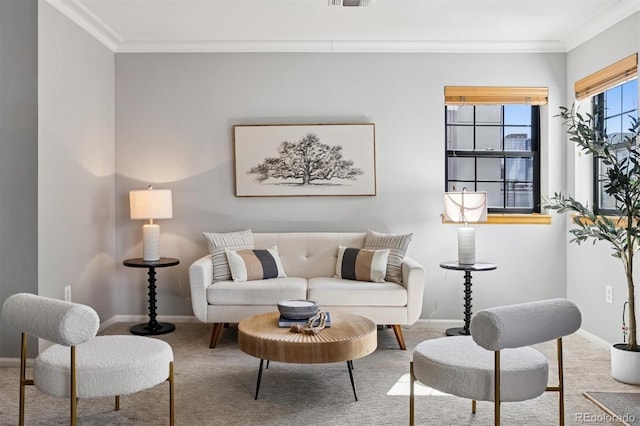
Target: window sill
point(514, 219)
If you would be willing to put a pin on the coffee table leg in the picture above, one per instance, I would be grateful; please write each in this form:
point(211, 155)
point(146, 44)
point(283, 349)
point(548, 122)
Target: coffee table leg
point(259, 378)
point(353, 384)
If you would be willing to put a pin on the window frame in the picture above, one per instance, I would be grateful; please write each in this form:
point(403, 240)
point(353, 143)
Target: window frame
point(600, 118)
point(533, 154)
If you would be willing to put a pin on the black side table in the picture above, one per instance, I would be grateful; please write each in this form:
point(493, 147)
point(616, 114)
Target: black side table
point(478, 266)
point(153, 327)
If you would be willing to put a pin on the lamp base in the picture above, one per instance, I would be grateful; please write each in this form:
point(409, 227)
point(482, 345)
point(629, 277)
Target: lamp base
point(466, 246)
point(150, 242)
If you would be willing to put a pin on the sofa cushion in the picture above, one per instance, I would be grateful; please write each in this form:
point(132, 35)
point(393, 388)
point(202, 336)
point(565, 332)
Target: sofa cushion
point(398, 244)
point(263, 292)
point(336, 291)
point(217, 242)
point(309, 254)
point(256, 264)
point(361, 265)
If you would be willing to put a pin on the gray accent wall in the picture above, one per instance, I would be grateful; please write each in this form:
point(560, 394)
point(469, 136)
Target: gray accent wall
point(18, 158)
point(174, 120)
point(591, 267)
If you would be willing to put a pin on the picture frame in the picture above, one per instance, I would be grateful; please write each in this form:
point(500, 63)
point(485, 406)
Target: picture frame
point(290, 160)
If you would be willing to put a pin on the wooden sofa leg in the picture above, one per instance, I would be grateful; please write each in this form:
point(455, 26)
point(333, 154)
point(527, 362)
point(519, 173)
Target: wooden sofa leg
point(215, 334)
point(399, 336)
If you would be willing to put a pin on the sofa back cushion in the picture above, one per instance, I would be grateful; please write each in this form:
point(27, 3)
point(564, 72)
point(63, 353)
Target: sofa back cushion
point(308, 254)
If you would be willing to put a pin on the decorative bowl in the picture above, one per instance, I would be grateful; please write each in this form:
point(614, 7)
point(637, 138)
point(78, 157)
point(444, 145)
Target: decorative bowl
point(298, 308)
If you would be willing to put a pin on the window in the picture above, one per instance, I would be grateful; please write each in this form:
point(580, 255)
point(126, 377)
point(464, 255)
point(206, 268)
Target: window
point(495, 147)
point(614, 91)
point(614, 109)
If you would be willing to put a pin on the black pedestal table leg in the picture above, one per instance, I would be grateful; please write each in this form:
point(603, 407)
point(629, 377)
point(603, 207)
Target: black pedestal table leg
point(467, 302)
point(153, 324)
point(259, 378)
point(353, 384)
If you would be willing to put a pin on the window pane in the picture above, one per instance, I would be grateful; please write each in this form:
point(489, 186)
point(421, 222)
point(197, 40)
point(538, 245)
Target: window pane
point(613, 101)
point(488, 114)
point(460, 114)
point(519, 195)
point(494, 194)
point(614, 129)
point(627, 125)
point(490, 169)
point(488, 138)
point(517, 139)
point(461, 168)
point(630, 97)
point(519, 169)
point(460, 137)
point(517, 114)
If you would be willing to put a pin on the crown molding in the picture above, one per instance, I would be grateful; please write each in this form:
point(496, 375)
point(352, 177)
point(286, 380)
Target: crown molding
point(83, 17)
point(342, 46)
point(88, 22)
point(599, 24)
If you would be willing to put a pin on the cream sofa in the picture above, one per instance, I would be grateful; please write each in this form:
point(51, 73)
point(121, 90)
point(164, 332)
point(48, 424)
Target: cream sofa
point(309, 261)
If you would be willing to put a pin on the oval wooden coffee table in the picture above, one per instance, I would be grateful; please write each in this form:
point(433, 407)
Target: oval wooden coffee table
point(349, 337)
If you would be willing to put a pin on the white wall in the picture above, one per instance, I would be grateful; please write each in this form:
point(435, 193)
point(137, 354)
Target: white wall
point(174, 118)
point(590, 268)
point(76, 185)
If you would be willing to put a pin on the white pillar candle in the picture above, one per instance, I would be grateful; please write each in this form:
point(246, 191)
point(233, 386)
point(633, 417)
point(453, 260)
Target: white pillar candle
point(466, 246)
point(151, 242)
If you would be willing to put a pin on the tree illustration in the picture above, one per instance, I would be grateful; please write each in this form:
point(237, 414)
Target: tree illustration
point(308, 160)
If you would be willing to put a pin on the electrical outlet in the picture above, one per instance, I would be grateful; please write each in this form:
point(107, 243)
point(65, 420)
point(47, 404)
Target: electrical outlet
point(67, 293)
point(608, 297)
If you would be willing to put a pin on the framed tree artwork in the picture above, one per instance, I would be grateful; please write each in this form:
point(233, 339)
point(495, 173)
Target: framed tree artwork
point(304, 159)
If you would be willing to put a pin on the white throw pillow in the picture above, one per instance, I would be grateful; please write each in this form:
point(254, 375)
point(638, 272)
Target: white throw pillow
point(361, 264)
point(251, 265)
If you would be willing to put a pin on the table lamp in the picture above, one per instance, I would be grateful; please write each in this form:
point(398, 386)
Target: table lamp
point(150, 204)
point(465, 207)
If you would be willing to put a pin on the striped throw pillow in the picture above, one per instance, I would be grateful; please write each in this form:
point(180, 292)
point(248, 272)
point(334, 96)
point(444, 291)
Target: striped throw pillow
point(218, 243)
point(398, 244)
point(361, 265)
point(251, 265)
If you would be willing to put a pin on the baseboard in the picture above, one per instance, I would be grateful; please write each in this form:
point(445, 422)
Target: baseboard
point(594, 339)
point(14, 362)
point(145, 318)
point(439, 323)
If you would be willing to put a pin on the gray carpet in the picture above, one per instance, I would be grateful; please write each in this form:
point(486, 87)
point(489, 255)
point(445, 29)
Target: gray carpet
point(624, 406)
point(216, 387)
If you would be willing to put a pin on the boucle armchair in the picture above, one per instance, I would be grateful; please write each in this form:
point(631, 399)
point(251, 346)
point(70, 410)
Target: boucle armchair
point(496, 362)
point(81, 365)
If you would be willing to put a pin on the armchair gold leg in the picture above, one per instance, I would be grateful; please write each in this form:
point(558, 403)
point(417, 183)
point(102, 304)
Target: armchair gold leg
point(473, 406)
point(171, 396)
point(560, 382)
point(412, 379)
point(23, 372)
point(496, 399)
point(73, 391)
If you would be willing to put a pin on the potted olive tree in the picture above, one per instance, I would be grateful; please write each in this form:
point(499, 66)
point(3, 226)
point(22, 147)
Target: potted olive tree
point(620, 159)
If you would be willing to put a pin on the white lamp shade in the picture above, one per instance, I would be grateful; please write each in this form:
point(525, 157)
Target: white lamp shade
point(465, 206)
point(150, 204)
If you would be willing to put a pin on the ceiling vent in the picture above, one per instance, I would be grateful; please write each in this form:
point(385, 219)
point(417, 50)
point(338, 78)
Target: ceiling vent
point(351, 3)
